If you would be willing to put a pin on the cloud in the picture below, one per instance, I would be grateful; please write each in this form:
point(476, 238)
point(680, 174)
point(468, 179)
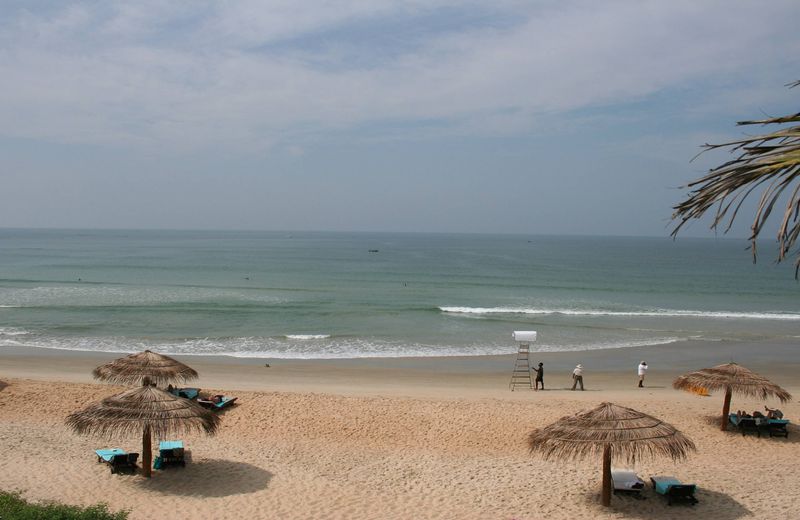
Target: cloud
point(250, 75)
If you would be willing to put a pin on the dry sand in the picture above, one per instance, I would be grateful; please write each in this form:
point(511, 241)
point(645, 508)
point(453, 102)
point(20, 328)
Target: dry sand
point(394, 439)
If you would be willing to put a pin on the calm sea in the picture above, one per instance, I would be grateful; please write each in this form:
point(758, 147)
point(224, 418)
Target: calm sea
point(345, 295)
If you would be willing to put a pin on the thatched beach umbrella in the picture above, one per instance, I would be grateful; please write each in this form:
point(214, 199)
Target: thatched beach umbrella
point(146, 410)
point(144, 368)
point(731, 378)
point(613, 431)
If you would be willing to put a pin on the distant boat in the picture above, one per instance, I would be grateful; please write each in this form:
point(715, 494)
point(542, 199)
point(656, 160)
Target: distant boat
point(373, 250)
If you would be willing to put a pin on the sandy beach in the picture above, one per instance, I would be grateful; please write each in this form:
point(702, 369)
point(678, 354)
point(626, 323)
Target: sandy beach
point(400, 438)
point(346, 224)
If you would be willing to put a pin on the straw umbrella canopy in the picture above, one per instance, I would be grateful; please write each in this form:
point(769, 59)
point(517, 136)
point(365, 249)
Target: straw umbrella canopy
point(144, 368)
point(731, 378)
point(146, 410)
point(611, 431)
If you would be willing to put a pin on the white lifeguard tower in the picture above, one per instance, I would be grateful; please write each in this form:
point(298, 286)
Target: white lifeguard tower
point(522, 367)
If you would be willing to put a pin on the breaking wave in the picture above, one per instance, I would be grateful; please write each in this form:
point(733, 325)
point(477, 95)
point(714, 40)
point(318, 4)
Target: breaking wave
point(281, 348)
point(655, 313)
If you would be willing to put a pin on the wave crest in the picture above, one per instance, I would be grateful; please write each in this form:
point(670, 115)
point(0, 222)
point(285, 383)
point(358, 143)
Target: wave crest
point(280, 348)
point(13, 331)
point(655, 313)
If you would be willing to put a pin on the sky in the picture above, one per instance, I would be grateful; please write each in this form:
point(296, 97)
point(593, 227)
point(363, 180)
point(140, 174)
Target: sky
point(551, 117)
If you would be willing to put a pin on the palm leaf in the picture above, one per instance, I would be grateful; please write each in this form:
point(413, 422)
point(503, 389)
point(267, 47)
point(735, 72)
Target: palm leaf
point(770, 161)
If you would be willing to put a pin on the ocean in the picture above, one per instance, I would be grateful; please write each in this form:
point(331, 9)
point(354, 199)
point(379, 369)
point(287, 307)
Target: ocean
point(307, 295)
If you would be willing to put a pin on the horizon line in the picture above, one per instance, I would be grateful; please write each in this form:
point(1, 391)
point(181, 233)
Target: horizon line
point(392, 232)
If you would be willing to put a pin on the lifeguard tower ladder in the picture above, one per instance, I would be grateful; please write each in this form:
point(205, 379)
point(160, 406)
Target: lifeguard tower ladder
point(522, 367)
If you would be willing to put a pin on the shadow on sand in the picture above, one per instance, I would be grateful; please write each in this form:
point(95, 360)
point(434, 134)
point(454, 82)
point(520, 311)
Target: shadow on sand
point(712, 504)
point(208, 478)
point(222, 411)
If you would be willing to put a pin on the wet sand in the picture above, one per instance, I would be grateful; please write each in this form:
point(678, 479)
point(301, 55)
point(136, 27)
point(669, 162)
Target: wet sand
point(484, 375)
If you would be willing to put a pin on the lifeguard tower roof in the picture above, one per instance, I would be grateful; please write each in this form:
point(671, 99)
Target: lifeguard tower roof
point(525, 336)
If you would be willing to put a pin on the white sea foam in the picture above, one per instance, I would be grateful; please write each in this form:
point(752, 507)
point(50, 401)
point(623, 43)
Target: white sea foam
point(655, 313)
point(605, 345)
point(13, 331)
point(343, 348)
point(307, 336)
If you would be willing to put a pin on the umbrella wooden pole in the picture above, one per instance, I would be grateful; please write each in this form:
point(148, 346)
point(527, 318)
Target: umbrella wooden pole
point(606, 495)
point(726, 409)
point(147, 455)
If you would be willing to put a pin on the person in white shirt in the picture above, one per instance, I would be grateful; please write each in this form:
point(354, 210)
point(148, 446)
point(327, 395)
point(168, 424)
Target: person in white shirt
point(642, 372)
point(577, 376)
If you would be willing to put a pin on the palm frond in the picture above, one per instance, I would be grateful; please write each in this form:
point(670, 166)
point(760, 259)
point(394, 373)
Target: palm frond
point(770, 161)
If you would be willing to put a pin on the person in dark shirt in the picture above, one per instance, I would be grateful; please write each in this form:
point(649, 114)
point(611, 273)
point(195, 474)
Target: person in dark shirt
point(539, 376)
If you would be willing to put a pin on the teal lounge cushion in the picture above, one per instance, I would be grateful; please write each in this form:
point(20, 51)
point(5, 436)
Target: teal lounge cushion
point(225, 401)
point(662, 484)
point(170, 445)
point(108, 453)
point(189, 393)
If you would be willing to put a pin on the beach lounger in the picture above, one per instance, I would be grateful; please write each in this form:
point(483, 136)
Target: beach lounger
point(746, 424)
point(187, 393)
point(777, 428)
point(170, 453)
point(117, 459)
point(217, 402)
point(674, 490)
point(626, 482)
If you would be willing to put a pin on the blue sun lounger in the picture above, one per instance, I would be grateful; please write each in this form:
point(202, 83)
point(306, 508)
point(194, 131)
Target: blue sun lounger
point(188, 393)
point(674, 490)
point(777, 428)
point(217, 402)
point(107, 454)
point(117, 459)
point(745, 424)
point(170, 453)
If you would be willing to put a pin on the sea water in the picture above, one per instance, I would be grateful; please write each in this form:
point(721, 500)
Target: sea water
point(347, 295)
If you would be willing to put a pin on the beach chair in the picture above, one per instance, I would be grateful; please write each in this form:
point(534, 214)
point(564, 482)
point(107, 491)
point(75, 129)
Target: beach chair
point(186, 393)
point(778, 428)
point(674, 490)
point(170, 453)
point(217, 402)
point(746, 424)
point(117, 459)
point(626, 482)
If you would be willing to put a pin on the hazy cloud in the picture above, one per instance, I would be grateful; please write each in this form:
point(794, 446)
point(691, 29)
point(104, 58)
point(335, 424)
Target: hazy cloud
point(253, 74)
point(437, 115)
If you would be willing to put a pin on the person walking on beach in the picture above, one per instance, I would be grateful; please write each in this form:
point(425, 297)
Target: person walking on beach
point(577, 377)
point(539, 376)
point(642, 372)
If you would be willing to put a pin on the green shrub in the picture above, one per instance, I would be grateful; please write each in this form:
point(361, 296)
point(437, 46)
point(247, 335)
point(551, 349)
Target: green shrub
point(14, 507)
